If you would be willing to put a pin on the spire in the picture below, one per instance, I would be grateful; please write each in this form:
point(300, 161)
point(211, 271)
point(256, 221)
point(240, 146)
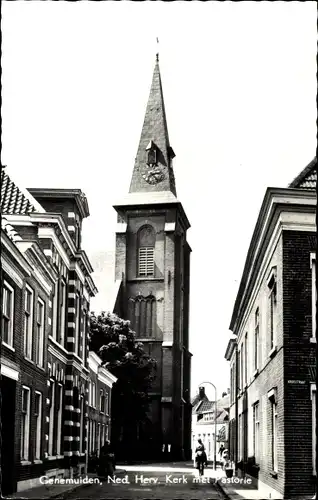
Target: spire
point(153, 170)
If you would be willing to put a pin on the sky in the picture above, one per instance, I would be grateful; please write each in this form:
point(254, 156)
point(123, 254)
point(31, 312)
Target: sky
point(239, 83)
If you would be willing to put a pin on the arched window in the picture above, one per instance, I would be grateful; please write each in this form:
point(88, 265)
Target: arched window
point(146, 248)
point(143, 315)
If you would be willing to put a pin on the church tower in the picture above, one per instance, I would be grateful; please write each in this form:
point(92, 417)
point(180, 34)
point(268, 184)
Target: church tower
point(153, 270)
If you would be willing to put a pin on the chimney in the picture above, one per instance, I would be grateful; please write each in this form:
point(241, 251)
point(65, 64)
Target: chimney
point(201, 392)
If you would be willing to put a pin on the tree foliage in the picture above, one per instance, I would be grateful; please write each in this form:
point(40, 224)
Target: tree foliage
point(115, 342)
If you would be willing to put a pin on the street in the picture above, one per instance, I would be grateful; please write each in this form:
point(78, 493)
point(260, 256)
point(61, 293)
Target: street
point(152, 482)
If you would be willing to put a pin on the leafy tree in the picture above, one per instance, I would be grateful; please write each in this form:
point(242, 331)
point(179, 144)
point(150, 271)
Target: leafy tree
point(114, 341)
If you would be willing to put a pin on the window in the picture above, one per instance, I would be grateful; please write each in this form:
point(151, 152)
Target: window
point(39, 341)
point(242, 365)
point(103, 434)
point(51, 416)
point(89, 429)
point(272, 285)
point(233, 382)
point(152, 155)
point(55, 312)
point(106, 403)
point(256, 339)
point(28, 318)
point(246, 359)
point(102, 401)
point(93, 395)
point(25, 423)
point(7, 314)
point(313, 294)
point(240, 443)
point(84, 334)
point(98, 439)
point(256, 434)
point(182, 371)
point(90, 393)
point(143, 316)
point(82, 422)
point(146, 247)
point(62, 311)
point(274, 439)
point(78, 326)
point(239, 371)
point(38, 423)
point(59, 410)
point(94, 436)
point(314, 428)
point(272, 396)
point(146, 261)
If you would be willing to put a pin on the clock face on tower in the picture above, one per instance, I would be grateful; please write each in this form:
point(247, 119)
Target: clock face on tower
point(154, 175)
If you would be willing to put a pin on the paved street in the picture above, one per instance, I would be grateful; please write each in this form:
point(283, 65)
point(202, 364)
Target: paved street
point(152, 482)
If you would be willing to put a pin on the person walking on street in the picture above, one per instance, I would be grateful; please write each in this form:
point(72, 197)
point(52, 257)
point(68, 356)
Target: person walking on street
point(106, 461)
point(200, 457)
point(221, 449)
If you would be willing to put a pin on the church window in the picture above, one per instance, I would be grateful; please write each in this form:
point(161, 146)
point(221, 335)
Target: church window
point(143, 315)
point(146, 247)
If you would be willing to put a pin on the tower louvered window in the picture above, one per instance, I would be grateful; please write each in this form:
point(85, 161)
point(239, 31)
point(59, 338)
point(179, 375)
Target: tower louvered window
point(146, 251)
point(146, 261)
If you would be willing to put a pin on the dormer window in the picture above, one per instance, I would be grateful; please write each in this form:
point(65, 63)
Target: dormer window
point(151, 150)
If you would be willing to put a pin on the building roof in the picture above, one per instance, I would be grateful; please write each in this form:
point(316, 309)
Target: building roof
point(307, 179)
point(53, 193)
point(154, 134)
point(205, 406)
point(15, 199)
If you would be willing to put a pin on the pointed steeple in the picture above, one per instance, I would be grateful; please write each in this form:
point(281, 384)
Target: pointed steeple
point(153, 170)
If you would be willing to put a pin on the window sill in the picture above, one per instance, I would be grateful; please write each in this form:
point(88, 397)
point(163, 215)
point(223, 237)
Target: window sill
point(255, 373)
point(58, 344)
point(29, 360)
point(77, 357)
point(59, 457)
point(274, 474)
point(313, 340)
point(52, 457)
point(8, 346)
point(25, 462)
point(272, 352)
point(38, 461)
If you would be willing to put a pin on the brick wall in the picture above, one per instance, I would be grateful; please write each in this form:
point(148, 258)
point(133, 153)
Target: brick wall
point(270, 375)
point(299, 356)
point(33, 377)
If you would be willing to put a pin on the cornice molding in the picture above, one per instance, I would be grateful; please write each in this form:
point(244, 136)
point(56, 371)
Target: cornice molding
point(286, 217)
point(16, 254)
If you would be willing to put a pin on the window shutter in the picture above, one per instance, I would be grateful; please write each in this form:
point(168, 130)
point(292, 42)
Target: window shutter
point(146, 261)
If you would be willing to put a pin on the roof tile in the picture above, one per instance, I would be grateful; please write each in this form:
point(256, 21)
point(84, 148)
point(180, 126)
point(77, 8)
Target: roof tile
point(13, 200)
